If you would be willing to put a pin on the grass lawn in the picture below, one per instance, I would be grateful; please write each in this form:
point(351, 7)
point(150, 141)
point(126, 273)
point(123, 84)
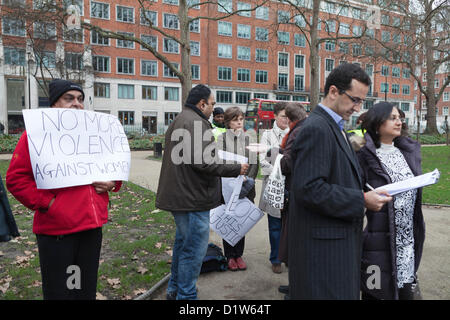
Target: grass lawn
point(437, 157)
point(135, 254)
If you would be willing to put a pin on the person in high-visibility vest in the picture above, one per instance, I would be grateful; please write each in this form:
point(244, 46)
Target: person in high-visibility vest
point(218, 123)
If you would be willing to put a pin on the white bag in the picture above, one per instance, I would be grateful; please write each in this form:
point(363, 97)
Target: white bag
point(274, 190)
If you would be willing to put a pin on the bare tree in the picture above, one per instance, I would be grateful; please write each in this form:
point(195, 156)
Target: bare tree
point(306, 17)
point(420, 42)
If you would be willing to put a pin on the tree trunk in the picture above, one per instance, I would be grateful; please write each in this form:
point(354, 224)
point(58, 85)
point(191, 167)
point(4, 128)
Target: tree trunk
point(314, 58)
point(186, 78)
point(431, 127)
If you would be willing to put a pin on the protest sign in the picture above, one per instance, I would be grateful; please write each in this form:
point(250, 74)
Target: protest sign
point(233, 220)
point(70, 147)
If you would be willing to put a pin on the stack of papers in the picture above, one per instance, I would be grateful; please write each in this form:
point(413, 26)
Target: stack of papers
point(413, 183)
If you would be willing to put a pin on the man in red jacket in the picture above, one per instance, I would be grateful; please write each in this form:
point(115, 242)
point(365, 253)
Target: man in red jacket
point(67, 221)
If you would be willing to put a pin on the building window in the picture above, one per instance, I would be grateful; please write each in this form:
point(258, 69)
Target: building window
point(242, 97)
point(171, 21)
point(282, 81)
point(343, 47)
point(330, 26)
point(283, 16)
point(446, 96)
point(406, 73)
point(344, 29)
point(101, 90)
point(73, 61)
point(244, 6)
point(14, 56)
point(384, 87)
point(225, 51)
point(224, 96)
point(125, 14)
point(396, 72)
point(260, 96)
point(194, 26)
point(13, 27)
point(225, 28)
point(299, 40)
point(283, 59)
point(283, 97)
point(243, 75)
point(149, 17)
point(385, 71)
point(125, 66)
point(172, 2)
point(244, 31)
point(385, 36)
point(330, 46)
point(262, 13)
point(128, 44)
point(169, 73)
point(149, 68)
point(299, 83)
point(96, 38)
point(356, 50)
point(224, 73)
point(225, 6)
point(329, 65)
point(99, 10)
point(243, 53)
point(406, 89)
point(126, 117)
point(262, 55)
point(46, 59)
point(283, 37)
point(43, 30)
point(395, 88)
point(405, 106)
point(299, 61)
point(261, 76)
point(151, 41)
point(171, 46)
point(100, 63)
point(195, 70)
point(125, 91)
point(445, 111)
point(261, 34)
point(195, 48)
point(171, 94)
point(75, 35)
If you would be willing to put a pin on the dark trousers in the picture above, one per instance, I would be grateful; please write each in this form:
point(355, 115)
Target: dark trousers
point(234, 252)
point(69, 265)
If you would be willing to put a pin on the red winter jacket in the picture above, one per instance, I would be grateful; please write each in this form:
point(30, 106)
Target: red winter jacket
point(75, 208)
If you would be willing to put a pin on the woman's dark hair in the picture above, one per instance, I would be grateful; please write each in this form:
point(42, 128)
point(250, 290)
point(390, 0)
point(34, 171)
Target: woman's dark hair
point(342, 76)
point(231, 114)
point(374, 118)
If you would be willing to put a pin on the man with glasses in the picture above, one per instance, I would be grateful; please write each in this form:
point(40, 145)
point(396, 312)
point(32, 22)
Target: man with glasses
point(327, 200)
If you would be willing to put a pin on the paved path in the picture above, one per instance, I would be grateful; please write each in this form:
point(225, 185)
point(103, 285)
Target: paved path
point(259, 282)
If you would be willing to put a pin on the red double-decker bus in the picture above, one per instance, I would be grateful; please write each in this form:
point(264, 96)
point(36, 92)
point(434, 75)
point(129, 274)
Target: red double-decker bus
point(259, 114)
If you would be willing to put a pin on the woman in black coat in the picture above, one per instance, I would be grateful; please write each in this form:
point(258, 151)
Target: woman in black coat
point(394, 236)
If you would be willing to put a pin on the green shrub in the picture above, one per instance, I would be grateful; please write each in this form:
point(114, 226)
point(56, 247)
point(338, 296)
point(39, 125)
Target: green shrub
point(8, 143)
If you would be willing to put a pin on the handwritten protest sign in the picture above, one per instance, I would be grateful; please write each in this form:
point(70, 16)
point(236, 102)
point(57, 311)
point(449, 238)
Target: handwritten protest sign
point(70, 147)
point(233, 220)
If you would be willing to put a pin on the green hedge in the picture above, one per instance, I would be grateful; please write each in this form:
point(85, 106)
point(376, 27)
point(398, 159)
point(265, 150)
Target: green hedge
point(8, 143)
point(431, 139)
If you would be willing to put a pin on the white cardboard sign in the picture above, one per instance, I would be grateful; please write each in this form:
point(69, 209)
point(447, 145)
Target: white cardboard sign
point(70, 147)
point(233, 220)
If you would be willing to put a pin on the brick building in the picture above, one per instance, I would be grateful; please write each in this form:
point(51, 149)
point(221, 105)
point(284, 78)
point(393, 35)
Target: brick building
point(243, 56)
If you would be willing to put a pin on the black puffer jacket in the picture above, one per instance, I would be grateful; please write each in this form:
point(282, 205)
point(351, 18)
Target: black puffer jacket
point(379, 235)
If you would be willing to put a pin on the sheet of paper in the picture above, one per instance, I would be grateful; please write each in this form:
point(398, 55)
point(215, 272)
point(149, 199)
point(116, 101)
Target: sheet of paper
point(71, 147)
point(234, 219)
point(413, 183)
point(258, 147)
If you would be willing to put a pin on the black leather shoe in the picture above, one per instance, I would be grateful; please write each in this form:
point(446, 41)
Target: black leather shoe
point(171, 296)
point(283, 289)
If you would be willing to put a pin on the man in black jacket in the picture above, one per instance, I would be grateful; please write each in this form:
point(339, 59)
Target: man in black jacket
point(327, 202)
point(190, 186)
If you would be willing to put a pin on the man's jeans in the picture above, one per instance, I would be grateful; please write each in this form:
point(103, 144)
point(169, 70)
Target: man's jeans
point(191, 243)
